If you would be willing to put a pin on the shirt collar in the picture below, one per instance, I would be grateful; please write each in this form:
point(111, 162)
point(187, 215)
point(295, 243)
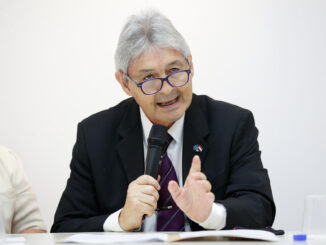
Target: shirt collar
point(176, 130)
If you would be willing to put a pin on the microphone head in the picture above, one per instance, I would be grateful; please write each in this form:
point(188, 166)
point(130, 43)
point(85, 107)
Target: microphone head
point(158, 135)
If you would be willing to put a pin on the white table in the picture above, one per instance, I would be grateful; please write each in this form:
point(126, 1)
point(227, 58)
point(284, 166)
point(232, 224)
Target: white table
point(55, 238)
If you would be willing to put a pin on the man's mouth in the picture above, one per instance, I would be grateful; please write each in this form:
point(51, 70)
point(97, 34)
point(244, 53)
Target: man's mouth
point(167, 103)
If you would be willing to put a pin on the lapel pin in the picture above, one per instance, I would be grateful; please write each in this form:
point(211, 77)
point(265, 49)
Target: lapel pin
point(197, 148)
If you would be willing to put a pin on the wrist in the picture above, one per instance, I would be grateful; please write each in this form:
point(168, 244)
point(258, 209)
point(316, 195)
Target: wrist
point(125, 222)
point(216, 219)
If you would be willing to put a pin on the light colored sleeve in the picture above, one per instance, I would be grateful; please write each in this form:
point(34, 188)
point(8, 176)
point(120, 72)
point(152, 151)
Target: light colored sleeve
point(26, 213)
point(217, 218)
point(215, 221)
point(112, 222)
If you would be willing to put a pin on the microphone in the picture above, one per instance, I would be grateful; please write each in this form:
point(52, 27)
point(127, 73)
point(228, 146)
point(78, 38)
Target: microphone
point(156, 141)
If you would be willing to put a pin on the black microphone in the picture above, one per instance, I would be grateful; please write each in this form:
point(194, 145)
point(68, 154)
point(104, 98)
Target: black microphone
point(156, 141)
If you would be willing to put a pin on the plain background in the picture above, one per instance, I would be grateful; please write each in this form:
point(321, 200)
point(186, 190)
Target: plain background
point(57, 67)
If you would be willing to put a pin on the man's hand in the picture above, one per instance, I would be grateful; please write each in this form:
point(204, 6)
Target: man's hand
point(195, 198)
point(142, 196)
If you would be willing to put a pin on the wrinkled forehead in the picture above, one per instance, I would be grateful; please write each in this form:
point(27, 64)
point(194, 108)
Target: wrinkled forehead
point(156, 59)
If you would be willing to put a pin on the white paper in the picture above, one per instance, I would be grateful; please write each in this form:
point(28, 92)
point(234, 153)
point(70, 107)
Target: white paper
point(163, 237)
point(249, 234)
point(15, 240)
point(117, 237)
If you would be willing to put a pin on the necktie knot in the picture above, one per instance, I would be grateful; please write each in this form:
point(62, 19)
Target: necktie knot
point(168, 141)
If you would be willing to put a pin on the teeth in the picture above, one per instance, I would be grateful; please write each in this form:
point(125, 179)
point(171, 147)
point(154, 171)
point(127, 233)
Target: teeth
point(169, 102)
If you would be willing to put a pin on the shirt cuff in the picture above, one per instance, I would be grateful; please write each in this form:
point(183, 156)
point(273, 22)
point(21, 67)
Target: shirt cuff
point(112, 222)
point(217, 218)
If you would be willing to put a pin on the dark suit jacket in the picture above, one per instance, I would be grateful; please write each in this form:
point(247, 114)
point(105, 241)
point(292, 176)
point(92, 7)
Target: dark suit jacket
point(108, 155)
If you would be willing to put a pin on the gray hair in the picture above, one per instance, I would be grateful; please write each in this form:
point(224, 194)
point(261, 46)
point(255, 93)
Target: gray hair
point(149, 29)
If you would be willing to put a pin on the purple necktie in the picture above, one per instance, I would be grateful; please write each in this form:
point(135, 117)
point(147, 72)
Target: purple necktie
point(171, 219)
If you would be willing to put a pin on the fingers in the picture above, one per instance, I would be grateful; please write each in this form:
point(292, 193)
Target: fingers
point(151, 191)
point(147, 204)
point(198, 176)
point(196, 165)
point(158, 178)
point(148, 180)
point(142, 196)
point(210, 196)
point(180, 196)
point(174, 190)
point(205, 185)
point(144, 190)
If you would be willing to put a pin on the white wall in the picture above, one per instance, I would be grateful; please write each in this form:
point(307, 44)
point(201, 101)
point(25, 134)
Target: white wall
point(56, 68)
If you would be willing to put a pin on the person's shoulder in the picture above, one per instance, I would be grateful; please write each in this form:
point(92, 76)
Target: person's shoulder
point(111, 115)
point(221, 117)
point(212, 106)
point(9, 161)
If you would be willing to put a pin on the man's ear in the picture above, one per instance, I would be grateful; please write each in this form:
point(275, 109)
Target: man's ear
point(123, 82)
point(191, 64)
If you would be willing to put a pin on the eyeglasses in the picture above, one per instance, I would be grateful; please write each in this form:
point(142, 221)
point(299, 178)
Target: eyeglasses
point(154, 85)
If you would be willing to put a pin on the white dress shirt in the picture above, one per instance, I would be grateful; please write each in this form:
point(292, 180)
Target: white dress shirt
point(217, 218)
point(18, 202)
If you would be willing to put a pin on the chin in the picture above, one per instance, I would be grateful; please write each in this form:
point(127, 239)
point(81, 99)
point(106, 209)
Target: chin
point(172, 120)
point(168, 120)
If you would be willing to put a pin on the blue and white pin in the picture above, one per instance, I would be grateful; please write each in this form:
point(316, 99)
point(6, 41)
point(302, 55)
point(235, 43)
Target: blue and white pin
point(197, 148)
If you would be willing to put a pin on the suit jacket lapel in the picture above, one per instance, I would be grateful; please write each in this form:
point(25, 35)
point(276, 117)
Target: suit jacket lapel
point(195, 133)
point(130, 146)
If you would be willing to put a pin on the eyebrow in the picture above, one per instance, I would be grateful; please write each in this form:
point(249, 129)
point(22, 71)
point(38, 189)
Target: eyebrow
point(175, 62)
point(145, 70)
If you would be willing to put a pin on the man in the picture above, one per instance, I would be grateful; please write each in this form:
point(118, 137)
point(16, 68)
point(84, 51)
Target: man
point(20, 212)
point(224, 186)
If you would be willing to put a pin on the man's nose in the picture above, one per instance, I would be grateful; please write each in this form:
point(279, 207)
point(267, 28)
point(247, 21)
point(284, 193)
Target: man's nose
point(166, 88)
